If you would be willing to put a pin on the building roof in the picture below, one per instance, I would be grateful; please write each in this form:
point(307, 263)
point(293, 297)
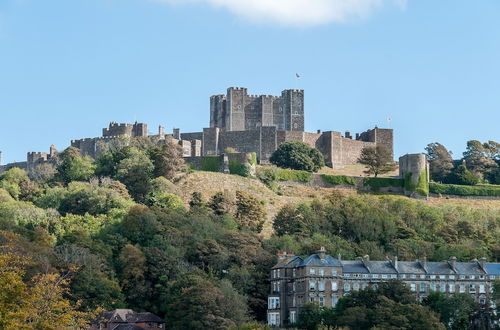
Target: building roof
point(315, 260)
point(354, 266)
point(288, 262)
point(128, 326)
point(410, 267)
point(493, 269)
point(127, 316)
point(361, 266)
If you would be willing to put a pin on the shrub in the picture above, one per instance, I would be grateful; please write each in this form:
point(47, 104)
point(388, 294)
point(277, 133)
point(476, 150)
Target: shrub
point(253, 158)
point(459, 190)
point(211, 164)
point(297, 155)
point(236, 167)
point(377, 183)
point(338, 179)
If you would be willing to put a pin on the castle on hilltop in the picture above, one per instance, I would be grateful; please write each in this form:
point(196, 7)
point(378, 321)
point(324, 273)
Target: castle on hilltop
point(245, 123)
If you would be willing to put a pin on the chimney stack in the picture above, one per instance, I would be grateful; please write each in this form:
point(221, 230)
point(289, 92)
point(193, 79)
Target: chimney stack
point(453, 263)
point(482, 264)
point(322, 252)
point(395, 262)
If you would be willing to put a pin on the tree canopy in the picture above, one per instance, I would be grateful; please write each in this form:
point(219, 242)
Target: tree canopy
point(297, 156)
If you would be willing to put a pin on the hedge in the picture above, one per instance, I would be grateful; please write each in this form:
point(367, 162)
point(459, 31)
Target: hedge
point(377, 183)
point(338, 179)
point(211, 164)
point(459, 190)
point(294, 175)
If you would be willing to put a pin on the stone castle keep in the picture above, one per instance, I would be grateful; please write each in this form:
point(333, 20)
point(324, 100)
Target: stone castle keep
point(246, 123)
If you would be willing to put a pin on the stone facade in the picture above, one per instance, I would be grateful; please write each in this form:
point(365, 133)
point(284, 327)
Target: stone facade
point(246, 123)
point(323, 279)
point(238, 111)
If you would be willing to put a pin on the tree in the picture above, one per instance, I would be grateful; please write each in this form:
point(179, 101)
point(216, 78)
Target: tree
point(465, 177)
point(133, 268)
point(440, 161)
point(389, 306)
point(140, 225)
point(310, 317)
point(456, 311)
point(377, 160)
point(297, 156)
point(41, 302)
point(135, 172)
point(197, 200)
point(74, 167)
point(250, 212)
point(288, 221)
point(197, 303)
point(220, 203)
point(167, 160)
point(482, 158)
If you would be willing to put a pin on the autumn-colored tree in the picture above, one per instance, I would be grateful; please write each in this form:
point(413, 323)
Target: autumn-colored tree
point(40, 303)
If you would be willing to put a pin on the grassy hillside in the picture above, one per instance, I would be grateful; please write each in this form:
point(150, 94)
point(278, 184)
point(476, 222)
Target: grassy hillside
point(209, 183)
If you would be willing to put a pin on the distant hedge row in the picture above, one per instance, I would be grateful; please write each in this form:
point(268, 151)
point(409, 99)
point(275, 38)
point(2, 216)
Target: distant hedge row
point(338, 179)
point(377, 183)
point(453, 189)
point(293, 175)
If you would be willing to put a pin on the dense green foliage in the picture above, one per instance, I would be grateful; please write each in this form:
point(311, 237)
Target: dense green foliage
point(236, 167)
point(124, 239)
point(480, 164)
point(460, 190)
point(391, 305)
point(376, 183)
point(271, 175)
point(338, 179)
point(211, 163)
point(389, 225)
point(297, 155)
point(456, 311)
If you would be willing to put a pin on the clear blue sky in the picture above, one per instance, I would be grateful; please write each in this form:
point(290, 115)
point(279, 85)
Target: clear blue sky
point(68, 67)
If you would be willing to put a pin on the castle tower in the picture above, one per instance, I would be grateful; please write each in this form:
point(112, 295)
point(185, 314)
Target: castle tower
point(238, 111)
point(293, 109)
point(235, 109)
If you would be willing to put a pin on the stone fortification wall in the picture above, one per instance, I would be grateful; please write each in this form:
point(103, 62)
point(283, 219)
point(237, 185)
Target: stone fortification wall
point(242, 141)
